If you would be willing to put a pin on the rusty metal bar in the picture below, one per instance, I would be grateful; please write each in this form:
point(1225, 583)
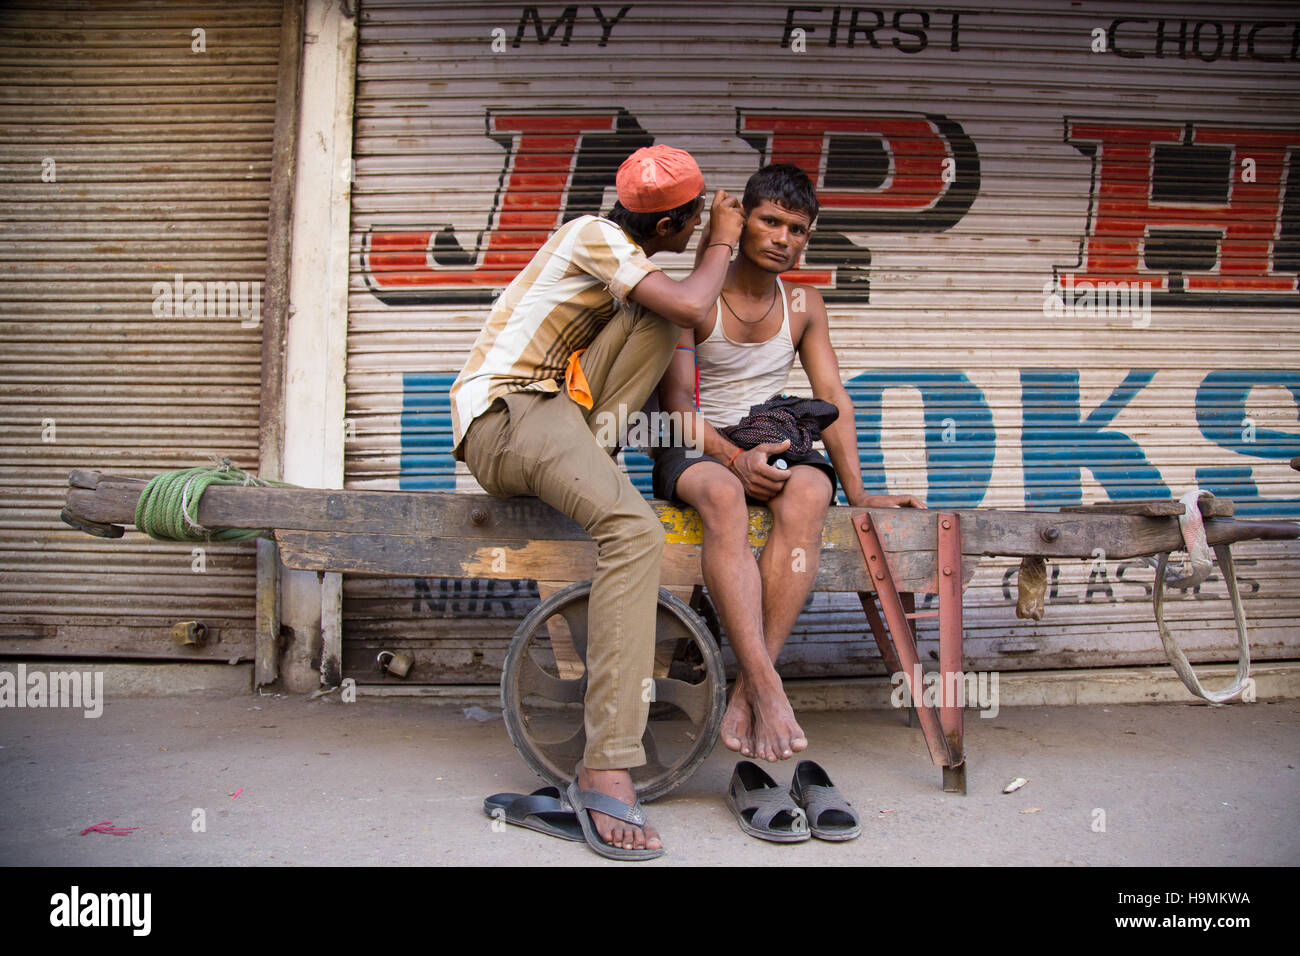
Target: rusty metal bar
point(909, 608)
point(950, 649)
point(901, 630)
point(883, 641)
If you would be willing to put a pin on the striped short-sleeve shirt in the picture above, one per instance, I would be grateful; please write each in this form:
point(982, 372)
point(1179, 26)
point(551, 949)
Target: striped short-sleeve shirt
point(572, 287)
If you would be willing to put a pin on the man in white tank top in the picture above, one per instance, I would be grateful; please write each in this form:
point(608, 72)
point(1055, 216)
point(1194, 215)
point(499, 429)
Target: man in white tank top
point(742, 359)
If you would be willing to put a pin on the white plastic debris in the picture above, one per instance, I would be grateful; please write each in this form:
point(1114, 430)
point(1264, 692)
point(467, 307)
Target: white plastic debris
point(1015, 785)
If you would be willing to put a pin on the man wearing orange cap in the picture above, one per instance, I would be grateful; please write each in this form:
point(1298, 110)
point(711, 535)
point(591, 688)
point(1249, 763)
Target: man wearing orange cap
point(585, 332)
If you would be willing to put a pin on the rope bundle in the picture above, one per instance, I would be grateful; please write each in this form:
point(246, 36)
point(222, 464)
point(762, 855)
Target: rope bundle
point(169, 505)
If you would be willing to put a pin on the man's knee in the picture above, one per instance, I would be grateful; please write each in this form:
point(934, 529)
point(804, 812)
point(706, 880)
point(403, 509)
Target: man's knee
point(806, 495)
point(647, 531)
point(636, 530)
point(717, 495)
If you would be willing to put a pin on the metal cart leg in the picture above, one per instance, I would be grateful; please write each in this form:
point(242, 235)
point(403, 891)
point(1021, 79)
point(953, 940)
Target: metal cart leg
point(942, 726)
point(888, 653)
point(950, 650)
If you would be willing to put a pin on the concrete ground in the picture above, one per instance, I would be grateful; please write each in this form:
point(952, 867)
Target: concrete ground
point(400, 781)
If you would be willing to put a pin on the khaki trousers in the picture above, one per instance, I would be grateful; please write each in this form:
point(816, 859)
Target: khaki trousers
point(544, 444)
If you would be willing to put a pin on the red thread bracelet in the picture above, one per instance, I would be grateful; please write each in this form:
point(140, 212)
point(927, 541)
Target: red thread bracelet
point(733, 457)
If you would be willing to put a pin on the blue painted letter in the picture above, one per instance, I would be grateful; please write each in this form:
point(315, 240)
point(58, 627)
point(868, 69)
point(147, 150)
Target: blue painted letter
point(1056, 441)
point(959, 437)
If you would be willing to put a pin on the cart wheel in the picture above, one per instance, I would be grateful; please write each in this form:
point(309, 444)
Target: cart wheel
point(544, 681)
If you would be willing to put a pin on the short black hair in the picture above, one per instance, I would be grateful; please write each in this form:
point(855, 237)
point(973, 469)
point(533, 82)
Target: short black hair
point(784, 184)
point(641, 225)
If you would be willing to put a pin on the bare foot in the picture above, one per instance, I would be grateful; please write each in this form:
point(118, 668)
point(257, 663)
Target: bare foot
point(777, 735)
point(615, 832)
point(737, 731)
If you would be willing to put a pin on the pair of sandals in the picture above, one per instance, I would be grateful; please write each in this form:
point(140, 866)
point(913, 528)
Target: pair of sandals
point(811, 807)
point(569, 817)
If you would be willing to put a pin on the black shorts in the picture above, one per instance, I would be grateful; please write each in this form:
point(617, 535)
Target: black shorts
point(672, 461)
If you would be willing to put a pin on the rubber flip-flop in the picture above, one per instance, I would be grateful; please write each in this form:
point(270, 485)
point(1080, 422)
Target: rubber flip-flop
point(584, 801)
point(542, 810)
point(763, 809)
point(830, 816)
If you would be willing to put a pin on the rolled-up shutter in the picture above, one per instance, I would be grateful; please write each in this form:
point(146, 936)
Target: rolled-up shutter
point(979, 168)
point(133, 218)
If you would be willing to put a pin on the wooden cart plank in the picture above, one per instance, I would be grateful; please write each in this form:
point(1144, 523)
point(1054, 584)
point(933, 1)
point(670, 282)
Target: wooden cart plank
point(512, 522)
point(417, 556)
point(1156, 508)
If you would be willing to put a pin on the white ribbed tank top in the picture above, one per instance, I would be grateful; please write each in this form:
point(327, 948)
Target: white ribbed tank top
point(737, 375)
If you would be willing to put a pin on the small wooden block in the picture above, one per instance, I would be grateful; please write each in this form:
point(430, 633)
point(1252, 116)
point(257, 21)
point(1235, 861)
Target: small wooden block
point(1217, 507)
point(1155, 508)
point(1159, 508)
point(83, 479)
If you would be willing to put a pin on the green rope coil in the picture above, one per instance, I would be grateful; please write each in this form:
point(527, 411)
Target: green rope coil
point(169, 505)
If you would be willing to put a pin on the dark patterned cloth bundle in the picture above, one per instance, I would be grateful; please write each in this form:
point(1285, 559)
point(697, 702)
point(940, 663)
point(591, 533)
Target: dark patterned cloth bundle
point(784, 416)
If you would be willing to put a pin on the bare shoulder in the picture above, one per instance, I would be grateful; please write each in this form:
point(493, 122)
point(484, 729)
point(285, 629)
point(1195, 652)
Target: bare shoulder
point(807, 310)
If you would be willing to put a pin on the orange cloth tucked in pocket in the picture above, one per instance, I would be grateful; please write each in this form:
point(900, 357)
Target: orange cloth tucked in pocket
point(575, 383)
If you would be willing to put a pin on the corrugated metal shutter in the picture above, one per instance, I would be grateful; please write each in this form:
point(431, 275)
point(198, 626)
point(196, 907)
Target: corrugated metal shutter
point(971, 162)
point(137, 150)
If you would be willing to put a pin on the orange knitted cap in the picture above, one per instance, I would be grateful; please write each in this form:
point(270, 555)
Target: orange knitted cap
point(658, 178)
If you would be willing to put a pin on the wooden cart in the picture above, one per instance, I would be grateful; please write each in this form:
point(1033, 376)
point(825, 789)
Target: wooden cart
point(885, 556)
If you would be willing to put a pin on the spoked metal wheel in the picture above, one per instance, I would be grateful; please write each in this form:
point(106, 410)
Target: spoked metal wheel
point(545, 679)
